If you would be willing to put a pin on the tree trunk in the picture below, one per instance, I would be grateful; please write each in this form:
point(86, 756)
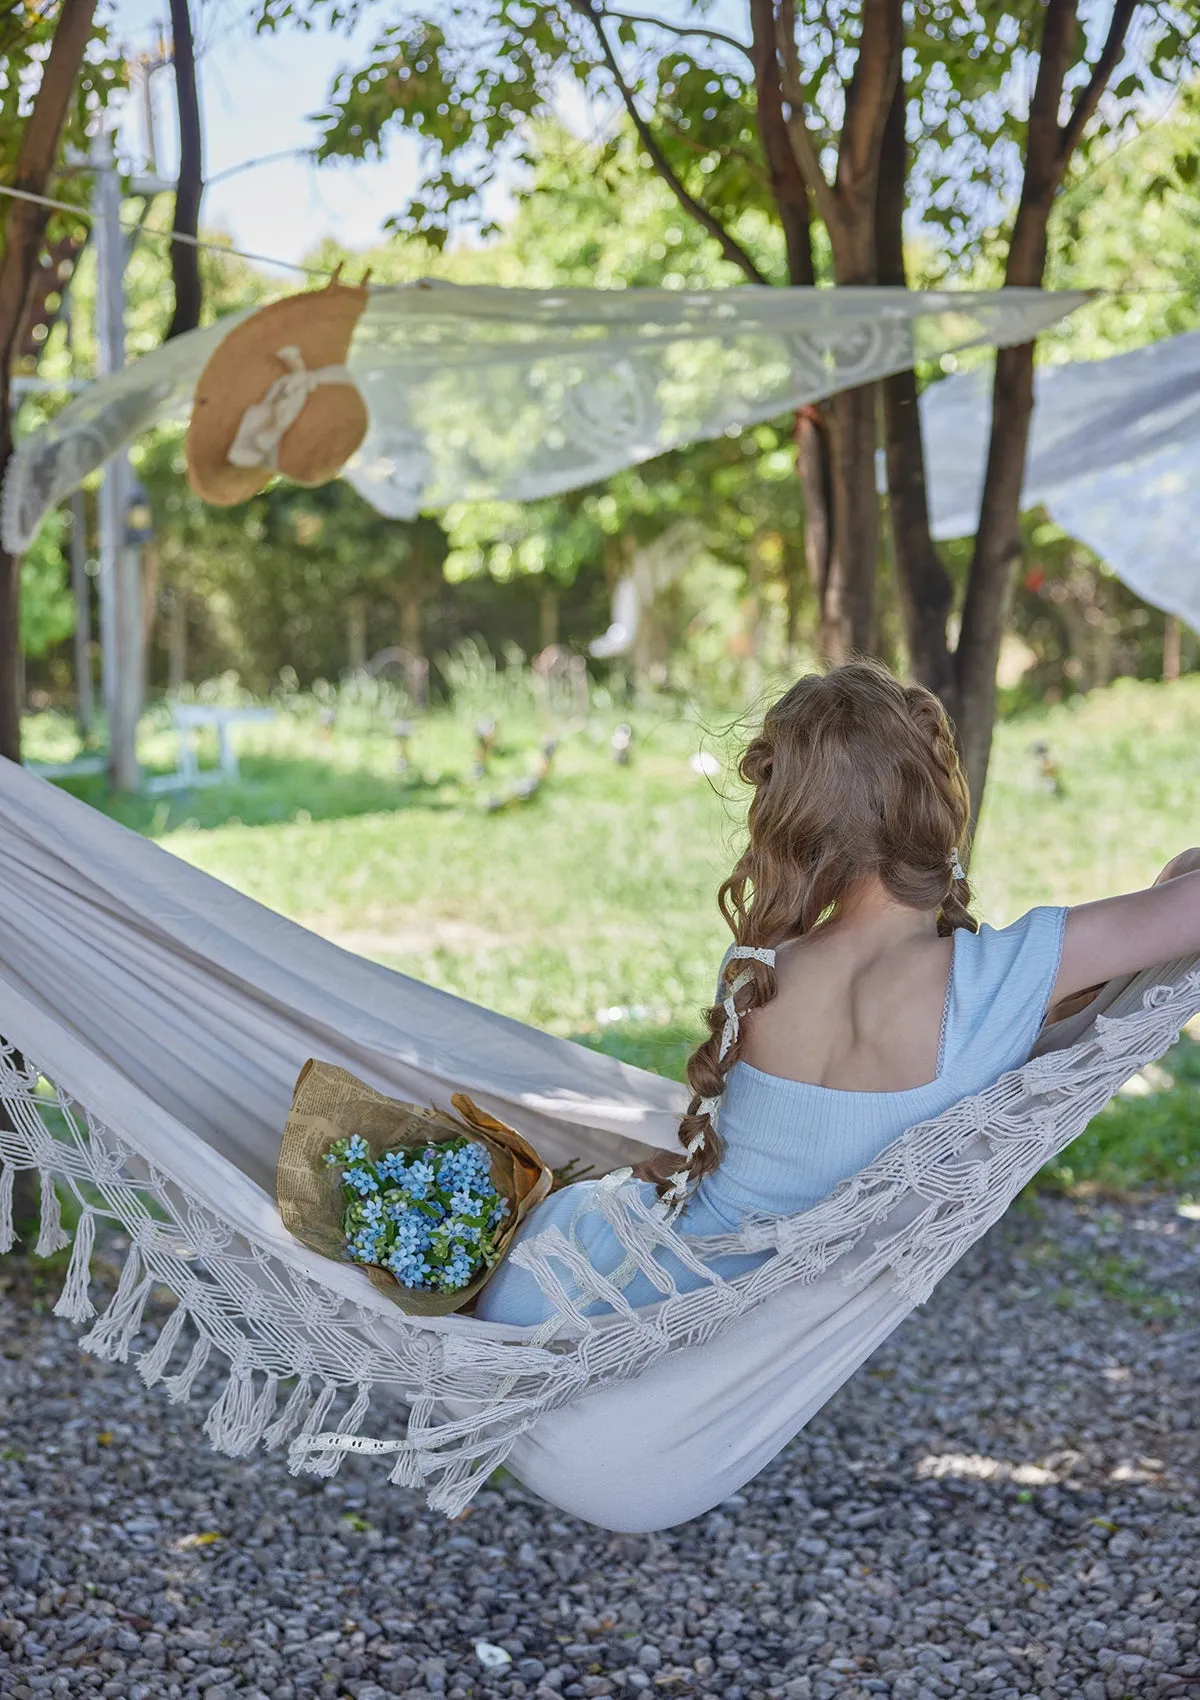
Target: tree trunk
point(1172, 662)
point(356, 633)
point(24, 227)
point(993, 564)
point(925, 590)
point(848, 624)
point(176, 641)
point(548, 610)
point(812, 464)
point(1048, 151)
point(185, 259)
point(794, 572)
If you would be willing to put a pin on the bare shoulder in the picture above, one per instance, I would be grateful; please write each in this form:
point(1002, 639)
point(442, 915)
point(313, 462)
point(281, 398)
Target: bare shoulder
point(1122, 935)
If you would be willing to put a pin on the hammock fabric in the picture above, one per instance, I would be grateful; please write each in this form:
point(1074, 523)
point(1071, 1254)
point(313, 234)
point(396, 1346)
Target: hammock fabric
point(1112, 456)
point(155, 1022)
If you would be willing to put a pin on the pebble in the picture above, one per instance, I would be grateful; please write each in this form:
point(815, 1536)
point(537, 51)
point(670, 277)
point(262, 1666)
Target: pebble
point(1003, 1502)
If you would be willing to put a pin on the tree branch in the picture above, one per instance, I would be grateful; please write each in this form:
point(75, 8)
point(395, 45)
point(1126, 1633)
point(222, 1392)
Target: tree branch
point(788, 185)
point(185, 259)
point(804, 146)
point(869, 93)
point(26, 222)
point(676, 29)
point(732, 250)
point(1043, 147)
point(1106, 64)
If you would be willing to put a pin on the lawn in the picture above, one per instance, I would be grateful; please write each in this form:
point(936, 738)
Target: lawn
point(589, 910)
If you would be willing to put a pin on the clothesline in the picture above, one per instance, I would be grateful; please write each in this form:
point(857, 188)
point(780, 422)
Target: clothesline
point(167, 235)
point(326, 272)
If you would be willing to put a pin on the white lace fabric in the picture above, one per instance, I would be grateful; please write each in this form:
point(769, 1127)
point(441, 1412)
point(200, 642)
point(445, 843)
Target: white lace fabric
point(475, 391)
point(155, 1021)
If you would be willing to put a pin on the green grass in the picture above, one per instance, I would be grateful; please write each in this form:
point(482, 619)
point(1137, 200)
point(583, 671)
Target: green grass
point(590, 910)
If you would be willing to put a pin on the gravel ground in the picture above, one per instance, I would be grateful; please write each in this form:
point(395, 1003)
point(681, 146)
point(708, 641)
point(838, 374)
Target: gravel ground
point(1004, 1502)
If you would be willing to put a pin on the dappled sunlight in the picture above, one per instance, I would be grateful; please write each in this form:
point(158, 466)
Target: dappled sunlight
point(978, 1467)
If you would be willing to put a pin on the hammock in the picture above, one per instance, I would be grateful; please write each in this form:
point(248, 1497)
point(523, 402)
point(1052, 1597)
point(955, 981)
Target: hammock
point(155, 1022)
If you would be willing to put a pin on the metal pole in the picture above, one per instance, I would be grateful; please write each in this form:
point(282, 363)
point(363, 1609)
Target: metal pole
point(79, 584)
point(118, 577)
point(83, 615)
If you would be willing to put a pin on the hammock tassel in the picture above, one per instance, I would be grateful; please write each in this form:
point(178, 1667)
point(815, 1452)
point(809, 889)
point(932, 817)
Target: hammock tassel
point(330, 1462)
point(235, 1423)
point(152, 1365)
point(74, 1302)
point(8, 1176)
point(285, 1425)
point(179, 1387)
point(111, 1336)
point(312, 1423)
point(51, 1237)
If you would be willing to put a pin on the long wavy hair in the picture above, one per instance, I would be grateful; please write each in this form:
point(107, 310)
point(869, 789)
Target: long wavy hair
point(854, 774)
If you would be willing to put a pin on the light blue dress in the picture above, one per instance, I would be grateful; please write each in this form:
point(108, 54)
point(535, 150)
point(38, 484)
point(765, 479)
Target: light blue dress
point(788, 1143)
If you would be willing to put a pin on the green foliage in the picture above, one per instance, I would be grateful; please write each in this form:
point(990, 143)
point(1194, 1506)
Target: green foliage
point(275, 574)
point(471, 78)
point(1129, 225)
point(47, 606)
point(26, 32)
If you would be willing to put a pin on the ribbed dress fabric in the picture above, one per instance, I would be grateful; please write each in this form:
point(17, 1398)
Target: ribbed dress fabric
point(789, 1144)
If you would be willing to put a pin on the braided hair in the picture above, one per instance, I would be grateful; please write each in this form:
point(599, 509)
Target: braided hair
point(853, 774)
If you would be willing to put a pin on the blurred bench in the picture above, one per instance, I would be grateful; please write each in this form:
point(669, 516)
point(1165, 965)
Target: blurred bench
point(191, 720)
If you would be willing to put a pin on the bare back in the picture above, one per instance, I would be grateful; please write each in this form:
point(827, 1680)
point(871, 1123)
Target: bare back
point(860, 1006)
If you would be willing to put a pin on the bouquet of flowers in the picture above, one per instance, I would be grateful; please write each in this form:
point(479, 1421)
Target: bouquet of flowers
point(430, 1215)
point(425, 1202)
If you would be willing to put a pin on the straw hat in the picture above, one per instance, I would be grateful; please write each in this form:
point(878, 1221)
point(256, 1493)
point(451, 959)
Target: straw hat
point(275, 396)
point(328, 1104)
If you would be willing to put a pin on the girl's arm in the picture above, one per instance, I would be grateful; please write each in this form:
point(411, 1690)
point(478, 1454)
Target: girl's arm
point(1121, 935)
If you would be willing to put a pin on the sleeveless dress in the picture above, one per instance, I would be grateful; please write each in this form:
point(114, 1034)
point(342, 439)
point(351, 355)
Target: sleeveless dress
point(789, 1144)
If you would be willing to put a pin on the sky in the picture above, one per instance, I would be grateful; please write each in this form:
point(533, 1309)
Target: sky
point(257, 94)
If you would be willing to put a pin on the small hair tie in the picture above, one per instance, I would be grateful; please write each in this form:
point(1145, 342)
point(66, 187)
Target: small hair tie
point(957, 871)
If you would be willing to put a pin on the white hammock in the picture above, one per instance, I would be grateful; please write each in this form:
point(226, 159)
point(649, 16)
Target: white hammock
point(476, 391)
point(155, 1023)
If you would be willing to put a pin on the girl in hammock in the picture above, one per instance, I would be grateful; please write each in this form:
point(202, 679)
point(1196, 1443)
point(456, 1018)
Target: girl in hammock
point(860, 996)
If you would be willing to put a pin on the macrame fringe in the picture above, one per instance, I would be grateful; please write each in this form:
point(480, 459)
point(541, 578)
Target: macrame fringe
point(74, 1302)
point(113, 1333)
point(285, 1426)
point(179, 1387)
point(152, 1365)
point(330, 1462)
point(51, 1236)
point(8, 1236)
point(238, 1419)
point(315, 1420)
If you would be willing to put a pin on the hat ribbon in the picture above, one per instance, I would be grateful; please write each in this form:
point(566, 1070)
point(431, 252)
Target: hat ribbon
point(265, 422)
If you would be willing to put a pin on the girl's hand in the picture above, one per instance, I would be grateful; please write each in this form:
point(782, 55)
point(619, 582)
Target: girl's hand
point(1186, 862)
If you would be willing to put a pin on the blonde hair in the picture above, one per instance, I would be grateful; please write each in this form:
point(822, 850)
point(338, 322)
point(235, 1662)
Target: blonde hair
point(854, 774)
